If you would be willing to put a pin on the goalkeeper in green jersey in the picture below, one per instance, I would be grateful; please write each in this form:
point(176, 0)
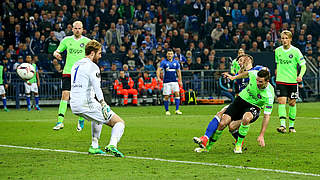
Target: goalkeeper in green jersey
point(287, 58)
point(75, 46)
point(259, 94)
point(235, 66)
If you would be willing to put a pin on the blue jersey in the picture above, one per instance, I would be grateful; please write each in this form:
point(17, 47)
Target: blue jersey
point(242, 83)
point(170, 70)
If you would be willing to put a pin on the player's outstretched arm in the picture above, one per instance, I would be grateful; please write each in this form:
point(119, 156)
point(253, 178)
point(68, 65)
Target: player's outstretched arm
point(158, 74)
point(264, 126)
point(239, 76)
point(57, 55)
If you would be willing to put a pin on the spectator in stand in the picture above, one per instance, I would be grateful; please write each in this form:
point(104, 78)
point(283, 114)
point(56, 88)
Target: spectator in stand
point(114, 36)
point(124, 86)
point(148, 86)
point(254, 47)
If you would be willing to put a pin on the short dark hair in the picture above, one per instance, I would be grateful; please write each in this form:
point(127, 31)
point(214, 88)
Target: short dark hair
point(264, 73)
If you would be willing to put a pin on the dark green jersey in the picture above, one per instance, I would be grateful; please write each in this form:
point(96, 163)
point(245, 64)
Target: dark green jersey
point(263, 98)
point(1, 74)
point(75, 50)
point(287, 64)
point(34, 78)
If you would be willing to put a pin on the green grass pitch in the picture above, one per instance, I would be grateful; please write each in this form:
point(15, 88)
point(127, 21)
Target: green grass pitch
point(151, 134)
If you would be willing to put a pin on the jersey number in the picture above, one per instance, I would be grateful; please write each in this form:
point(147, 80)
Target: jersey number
point(75, 74)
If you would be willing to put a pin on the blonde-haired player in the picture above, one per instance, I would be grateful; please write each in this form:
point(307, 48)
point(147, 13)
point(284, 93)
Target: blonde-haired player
point(75, 46)
point(87, 100)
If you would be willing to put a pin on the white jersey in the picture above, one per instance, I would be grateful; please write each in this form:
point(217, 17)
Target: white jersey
point(85, 85)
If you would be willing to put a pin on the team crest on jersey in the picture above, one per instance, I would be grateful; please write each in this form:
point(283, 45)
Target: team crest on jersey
point(290, 56)
point(259, 96)
point(174, 64)
point(98, 75)
point(82, 45)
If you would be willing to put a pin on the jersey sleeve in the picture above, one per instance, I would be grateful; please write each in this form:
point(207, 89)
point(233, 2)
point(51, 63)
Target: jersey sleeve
point(299, 57)
point(178, 66)
point(162, 65)
point(63, 45)
point(276, 56)
point(95, 81)
point(268, 106)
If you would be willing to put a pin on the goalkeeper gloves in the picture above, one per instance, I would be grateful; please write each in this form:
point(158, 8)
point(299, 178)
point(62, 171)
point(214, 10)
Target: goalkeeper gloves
point(105, 109)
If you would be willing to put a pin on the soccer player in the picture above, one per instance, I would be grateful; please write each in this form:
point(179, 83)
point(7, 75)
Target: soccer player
point(32, 85)
point(246, 64)
point(171, 69)
point(235, 65)
point(287, 59)
point(3, 86)
point(75, 46)
point(87, 100)
point(257, 95)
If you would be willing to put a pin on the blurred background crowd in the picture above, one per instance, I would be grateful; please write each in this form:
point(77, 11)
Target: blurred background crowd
point(137, 33)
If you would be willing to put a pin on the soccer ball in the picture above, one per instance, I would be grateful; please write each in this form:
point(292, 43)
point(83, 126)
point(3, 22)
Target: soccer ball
point(25, 71)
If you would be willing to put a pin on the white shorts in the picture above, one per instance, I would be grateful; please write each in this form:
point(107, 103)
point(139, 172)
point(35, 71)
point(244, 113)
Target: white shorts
point(169, 87)
point(31, 88)
point(2, 90)
point(91, 111)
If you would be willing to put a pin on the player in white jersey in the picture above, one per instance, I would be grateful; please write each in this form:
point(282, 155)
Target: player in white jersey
point(87, 101)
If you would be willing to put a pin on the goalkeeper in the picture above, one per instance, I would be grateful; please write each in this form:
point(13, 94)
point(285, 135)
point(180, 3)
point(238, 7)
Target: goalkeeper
point(87, 100)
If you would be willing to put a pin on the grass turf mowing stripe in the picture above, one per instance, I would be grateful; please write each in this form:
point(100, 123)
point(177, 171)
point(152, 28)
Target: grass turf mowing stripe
point(171, 161)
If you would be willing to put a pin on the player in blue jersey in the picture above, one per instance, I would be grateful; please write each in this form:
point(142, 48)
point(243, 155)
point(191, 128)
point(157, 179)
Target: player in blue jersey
point(171, 68)
point(246, 64)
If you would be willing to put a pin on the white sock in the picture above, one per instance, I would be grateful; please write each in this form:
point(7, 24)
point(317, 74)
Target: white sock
point(96, 131)
point(116, 133)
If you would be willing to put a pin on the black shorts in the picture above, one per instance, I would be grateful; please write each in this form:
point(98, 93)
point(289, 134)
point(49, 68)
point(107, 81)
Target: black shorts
point(66, 83)
point(239, 106)
point(287, 90)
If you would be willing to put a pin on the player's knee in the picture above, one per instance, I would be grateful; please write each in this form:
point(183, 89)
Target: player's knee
point(292, 102)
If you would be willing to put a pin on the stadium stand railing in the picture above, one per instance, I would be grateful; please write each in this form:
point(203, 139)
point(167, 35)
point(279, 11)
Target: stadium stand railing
point(204, 82)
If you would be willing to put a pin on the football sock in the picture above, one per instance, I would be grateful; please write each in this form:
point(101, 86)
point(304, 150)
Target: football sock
point(81, 118)
point(4, 100)
point(292, 115)
point(36, 98)
point(215, 136)
point(96, 131)
point(166, 105)
point(212, 126)
point(116, 133)
point(28, 100)
point(243, 131)
point(282, 114)
point(177, 102)
point(62, 110)
point(235, 134)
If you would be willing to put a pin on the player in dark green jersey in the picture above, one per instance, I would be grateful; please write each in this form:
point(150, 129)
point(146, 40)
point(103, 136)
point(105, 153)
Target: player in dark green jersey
point(3, 86)
point(287, 59)
point(259, 94)
point(32, 85)
point(75, 46)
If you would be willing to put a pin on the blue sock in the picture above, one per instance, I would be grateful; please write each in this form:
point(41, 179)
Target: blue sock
point(4, 100)
point(177, 102)
point(166, 105)
point(28, 100)
point(36, 98)
point(212, 126)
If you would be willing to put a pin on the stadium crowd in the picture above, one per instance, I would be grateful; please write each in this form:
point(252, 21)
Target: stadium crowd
point(136, 33)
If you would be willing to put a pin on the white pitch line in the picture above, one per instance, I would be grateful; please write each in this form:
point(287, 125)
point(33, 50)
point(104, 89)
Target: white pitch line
point(171, 161)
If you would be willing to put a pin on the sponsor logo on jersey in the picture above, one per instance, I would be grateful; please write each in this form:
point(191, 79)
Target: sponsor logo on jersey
point(75, 51)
